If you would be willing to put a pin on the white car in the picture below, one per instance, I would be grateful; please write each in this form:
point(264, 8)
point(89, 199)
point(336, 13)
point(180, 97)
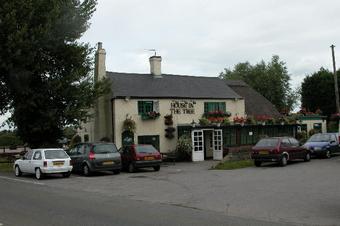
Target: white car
point(44, 161)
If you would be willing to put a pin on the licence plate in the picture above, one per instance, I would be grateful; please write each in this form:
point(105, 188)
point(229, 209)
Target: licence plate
point(263, 152)
point(108, 163)
point(149, 158)
point(58, 163)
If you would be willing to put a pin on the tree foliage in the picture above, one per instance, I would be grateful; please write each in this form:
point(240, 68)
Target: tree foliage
point(269, 79)
point(317, 92)
point(9, 138)
point(45, 73)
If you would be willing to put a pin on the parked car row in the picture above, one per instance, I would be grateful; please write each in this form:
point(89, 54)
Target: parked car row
point(284, 149)
point(88, 158)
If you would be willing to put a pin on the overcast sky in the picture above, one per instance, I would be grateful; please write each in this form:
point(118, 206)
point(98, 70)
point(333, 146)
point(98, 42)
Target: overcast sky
point(201, 37)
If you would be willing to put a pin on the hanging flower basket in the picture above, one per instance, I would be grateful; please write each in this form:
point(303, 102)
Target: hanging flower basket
point(216, 114)
point(168, 120)
point(129, 125)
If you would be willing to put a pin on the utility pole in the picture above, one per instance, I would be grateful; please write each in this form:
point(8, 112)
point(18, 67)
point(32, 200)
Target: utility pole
point(335, 82)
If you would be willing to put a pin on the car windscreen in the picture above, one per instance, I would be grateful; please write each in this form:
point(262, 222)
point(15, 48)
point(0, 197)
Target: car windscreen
point(146, 149)
point(55, 154)
point(104, 148)
point(320, 138)
point(267, 142)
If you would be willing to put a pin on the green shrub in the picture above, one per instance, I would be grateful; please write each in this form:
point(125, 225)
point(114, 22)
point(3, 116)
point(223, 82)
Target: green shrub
point(204, 121)
point(184, 148)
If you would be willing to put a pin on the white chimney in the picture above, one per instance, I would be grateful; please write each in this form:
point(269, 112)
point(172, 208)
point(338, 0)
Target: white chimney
point(100, 68)
point(155, 66)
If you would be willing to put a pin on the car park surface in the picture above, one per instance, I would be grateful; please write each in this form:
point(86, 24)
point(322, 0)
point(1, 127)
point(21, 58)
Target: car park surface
point(302, 194)
point(44, 161)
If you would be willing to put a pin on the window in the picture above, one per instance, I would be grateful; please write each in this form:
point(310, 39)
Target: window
point(214, 106)
point(294, 142)
point(37, 155)
point(28, 155)
point(150, 139)
point(145, 107)
point(285, 142)
point(55, 154)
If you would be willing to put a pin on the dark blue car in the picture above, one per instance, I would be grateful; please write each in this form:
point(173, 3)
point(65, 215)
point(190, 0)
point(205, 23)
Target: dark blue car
point(323, 144)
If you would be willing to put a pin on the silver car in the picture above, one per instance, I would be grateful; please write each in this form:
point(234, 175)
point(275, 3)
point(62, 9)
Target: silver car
point(44, 161)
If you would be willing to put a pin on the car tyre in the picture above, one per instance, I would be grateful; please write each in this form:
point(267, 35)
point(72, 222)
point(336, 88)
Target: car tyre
point(38, 174)
point(257, 163)
point(86, 170)
point(328, 154)
point(157, 168)
point(67, 174)
point(117, 171)
point(307, 157)
point(18, 172)
point(131, 168)
point(283, 161)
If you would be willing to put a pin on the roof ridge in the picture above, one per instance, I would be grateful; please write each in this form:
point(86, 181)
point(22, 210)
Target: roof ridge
point(195, 76)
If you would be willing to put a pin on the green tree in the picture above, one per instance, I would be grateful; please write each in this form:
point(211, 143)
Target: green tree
point(317, 92)
point(270, 79)
point(9, 138)
point(45, 73)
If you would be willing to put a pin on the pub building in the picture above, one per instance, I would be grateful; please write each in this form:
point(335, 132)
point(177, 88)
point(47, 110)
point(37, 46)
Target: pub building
point(157, 109)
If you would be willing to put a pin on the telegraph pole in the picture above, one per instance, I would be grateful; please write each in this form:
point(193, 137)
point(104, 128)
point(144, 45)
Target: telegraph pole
point(335, 82)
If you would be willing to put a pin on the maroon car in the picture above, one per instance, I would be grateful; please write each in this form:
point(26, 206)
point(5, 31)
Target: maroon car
point(140, 156)
point(278, 149)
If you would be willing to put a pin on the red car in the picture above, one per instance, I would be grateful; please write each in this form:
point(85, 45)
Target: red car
point(140, 156)
point(278, 149)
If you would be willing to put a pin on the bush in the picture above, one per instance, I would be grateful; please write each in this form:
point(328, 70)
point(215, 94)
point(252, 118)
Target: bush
point(312, 132)
point(204, 122)
point(302, 136)
point(76, 139)
point(184, 148)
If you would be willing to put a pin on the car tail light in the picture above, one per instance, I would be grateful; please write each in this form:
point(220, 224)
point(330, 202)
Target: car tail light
point(91, 155)
point(45, 163)
point(158, 156)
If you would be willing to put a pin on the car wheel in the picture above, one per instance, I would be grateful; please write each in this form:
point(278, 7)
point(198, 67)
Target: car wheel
point(283, 161)
point(17, 171)
point(68, 174)
point(38, 174)
point(328, 154)
point(116, 171)
point(307, 157)
point(131, 168)
point(257, 163)
point(157, 168)
point(86, 170)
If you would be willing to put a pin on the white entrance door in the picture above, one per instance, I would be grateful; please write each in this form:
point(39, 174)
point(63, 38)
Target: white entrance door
point(197, 145)
point(218, 144)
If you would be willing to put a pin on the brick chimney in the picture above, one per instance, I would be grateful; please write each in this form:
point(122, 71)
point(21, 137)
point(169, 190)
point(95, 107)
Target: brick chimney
point(155, 66)
point(100, 68)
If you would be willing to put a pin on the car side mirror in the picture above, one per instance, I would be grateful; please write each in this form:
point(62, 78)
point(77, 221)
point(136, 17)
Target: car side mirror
point(332, 142)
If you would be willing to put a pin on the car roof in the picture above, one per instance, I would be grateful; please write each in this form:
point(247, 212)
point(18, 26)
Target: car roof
point(46, 149)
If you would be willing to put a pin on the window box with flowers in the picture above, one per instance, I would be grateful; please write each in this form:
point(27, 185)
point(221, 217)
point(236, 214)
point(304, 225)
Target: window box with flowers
point(216, 116)
point(239, 120)
point(150, 115)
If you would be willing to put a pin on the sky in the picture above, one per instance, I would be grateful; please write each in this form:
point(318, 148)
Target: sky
point(202, 37)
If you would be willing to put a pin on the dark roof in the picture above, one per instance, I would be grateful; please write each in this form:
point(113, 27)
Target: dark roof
point(169, 86)
point(255, 103)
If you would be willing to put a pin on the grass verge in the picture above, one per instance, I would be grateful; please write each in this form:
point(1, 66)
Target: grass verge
point(6, 167)
point(230, 165)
